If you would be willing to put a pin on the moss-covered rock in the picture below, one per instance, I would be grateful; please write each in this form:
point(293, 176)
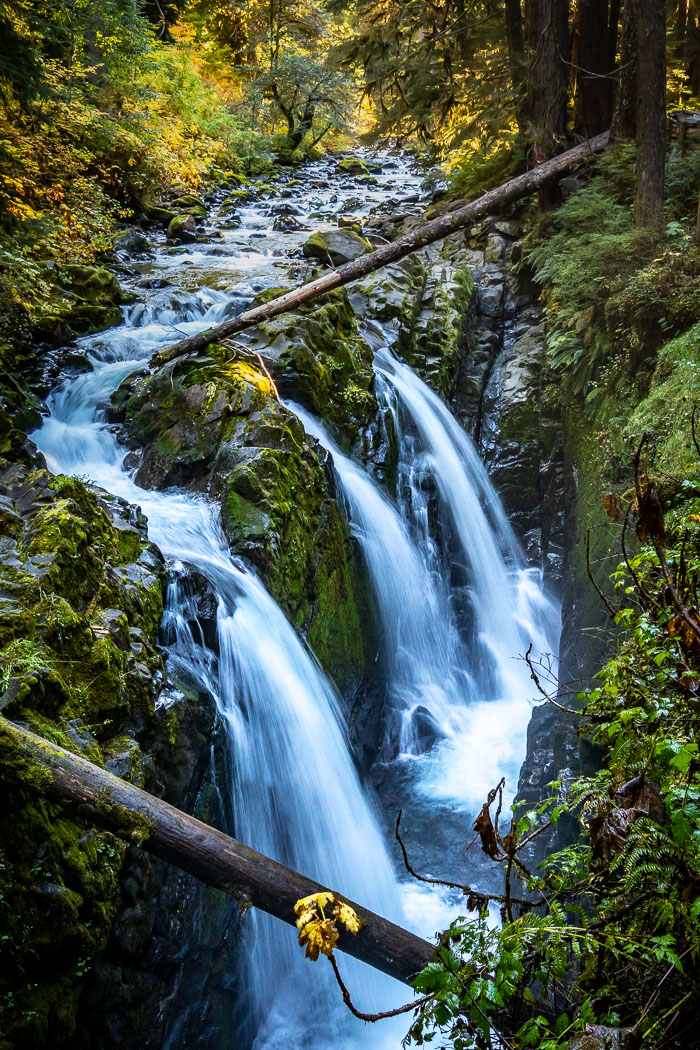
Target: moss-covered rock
point(335, 247)
point(80, 606)
point(353, 166)
point(88, 299)
point(218, 426)
point(318, 357)
point(182, 228)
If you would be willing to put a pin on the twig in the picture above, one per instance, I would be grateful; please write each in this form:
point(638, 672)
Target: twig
point(478, 895)
point(407, 1008)
point(548, 698)
point(602, 597)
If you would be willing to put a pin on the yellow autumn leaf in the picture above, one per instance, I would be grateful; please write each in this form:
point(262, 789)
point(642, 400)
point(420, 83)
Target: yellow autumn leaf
point(319, 937)
point(310, 915)
point(316, 900)
point(348, 916)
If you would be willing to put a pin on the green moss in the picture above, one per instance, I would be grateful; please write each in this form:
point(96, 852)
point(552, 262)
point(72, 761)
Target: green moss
point(71, 589)
point(674, 389)
point(324, 362)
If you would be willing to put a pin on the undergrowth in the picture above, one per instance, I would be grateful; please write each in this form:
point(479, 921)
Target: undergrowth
point(614, 294)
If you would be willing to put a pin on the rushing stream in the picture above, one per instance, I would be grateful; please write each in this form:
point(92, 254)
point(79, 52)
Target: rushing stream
point(453, 681)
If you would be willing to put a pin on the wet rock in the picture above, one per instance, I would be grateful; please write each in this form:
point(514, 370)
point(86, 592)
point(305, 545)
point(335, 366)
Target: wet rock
point(190, 204)
point(65, 647)
point(182, 229)
point(284, 208)
point(350, 222)
point(335, 247)
point(603, 1037)
point(353, 166)
point(163, 216)
point(91, 301)
point(287, 224)
point(426, 732)
point(351, 204)
point(132, 242)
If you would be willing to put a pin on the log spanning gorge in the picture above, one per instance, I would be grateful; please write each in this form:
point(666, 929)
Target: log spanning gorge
point(317, 757)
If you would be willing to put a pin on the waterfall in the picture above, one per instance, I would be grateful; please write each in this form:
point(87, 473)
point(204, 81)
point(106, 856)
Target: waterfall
point(426, 662)
point(454, 678)
point(295, 793)
point(456, 691)
point(507, 607)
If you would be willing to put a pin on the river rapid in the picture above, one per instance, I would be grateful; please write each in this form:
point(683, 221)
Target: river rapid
point(294, 786)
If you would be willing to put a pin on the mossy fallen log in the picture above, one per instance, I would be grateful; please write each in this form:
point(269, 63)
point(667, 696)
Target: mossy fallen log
point(218, 860)
point(433, 231)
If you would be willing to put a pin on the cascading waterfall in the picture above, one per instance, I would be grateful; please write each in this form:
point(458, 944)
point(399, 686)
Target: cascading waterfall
point(428, 676)
point(509, 608)
point(295, 792)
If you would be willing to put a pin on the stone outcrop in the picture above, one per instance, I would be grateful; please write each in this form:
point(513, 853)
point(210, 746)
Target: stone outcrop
point(219, 428)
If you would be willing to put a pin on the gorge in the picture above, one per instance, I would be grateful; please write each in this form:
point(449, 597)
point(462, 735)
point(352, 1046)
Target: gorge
point(456, 605)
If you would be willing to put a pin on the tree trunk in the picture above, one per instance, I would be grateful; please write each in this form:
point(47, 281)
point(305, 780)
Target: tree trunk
point(681, 20)
point(651, 112)
point(204, 852)
point(547, 36)
point(389, 253)
point(516, 54)
point(594, 80)
point(613, 29)
point(624, 122)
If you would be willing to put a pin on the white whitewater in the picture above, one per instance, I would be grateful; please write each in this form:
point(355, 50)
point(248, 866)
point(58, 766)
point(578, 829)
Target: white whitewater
point(462, 692)
point(509, 609)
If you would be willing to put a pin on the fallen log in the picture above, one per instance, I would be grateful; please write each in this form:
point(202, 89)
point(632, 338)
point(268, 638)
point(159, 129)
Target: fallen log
point(197, 848)
point(433, 231)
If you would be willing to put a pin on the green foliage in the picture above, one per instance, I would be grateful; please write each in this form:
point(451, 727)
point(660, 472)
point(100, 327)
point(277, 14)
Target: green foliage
point(484, 164)
point(439, 72)
point(613, 295)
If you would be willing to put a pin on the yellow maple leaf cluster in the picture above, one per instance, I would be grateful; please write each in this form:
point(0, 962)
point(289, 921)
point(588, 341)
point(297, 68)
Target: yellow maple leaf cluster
point(318, 930)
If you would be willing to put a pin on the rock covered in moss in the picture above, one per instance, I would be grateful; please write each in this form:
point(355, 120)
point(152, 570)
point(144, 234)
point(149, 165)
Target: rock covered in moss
point(182, 229)
point(80, 607)
point(218, 426)
point(88, 300)
point(318, 357)
point(353, 166)
point(336, 246)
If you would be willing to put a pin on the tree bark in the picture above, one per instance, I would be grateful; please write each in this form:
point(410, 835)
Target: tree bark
point(411, 242)
point(624, 122)
point(594, 80)
point(651, 112)
point(547, 37)
point(516, 55)
point(204, 852)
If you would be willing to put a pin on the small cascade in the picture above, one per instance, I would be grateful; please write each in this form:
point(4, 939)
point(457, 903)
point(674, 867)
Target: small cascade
point(507, 609)
point(428, 678)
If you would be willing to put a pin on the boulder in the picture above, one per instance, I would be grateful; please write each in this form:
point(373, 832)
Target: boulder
point(353, 166)
point(336, 246)
point(182, 229)
point(160, 215)
point(189, 200)
point(89, 302)
point(132, 242)
point(286, 223)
